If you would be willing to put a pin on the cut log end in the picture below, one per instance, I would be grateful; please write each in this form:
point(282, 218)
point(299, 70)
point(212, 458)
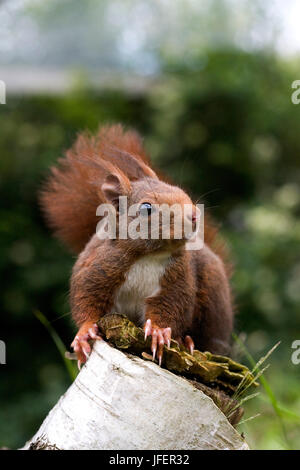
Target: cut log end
point(120, 401)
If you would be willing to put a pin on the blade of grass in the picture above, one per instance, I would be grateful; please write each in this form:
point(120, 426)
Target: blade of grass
point(266, 385)
point(242, 401)
point(249, 419)
point(58, 342)
point(257, 376)
point(264, 358)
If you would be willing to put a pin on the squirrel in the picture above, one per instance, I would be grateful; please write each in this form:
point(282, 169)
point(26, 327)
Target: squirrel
point(159, 284)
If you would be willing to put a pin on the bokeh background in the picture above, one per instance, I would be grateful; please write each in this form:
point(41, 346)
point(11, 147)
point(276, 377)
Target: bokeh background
point(209, 86)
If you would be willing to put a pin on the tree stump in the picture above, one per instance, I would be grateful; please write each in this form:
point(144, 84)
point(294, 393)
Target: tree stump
point(122, 402)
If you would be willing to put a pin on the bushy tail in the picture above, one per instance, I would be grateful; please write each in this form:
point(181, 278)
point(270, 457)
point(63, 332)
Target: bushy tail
point(72, 193)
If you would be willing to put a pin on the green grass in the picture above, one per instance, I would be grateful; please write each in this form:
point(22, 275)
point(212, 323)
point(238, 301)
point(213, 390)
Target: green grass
point(281, 414)
point(70, 366)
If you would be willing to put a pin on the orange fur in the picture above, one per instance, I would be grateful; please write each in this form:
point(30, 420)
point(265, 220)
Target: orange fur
point(194, 295)
point(72, 194)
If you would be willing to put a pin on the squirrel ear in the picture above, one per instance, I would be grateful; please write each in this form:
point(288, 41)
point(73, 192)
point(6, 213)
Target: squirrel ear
point(115, 185)
point(132, 165)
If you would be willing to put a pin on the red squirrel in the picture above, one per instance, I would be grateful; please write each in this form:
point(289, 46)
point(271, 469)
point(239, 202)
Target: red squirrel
point(160, 285)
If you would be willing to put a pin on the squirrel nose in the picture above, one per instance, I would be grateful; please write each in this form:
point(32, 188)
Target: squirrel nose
point(193, 218)
point(194, 215)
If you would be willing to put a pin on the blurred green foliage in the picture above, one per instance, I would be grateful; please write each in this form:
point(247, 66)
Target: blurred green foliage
point(226, 130)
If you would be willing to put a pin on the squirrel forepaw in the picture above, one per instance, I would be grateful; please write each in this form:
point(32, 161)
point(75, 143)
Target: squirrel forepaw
point(81, 343)
point(160, 337)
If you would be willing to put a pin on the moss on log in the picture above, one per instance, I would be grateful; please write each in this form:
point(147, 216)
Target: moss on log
point(213, 370)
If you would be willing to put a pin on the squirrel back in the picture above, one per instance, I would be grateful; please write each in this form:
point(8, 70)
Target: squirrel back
point(72, 193)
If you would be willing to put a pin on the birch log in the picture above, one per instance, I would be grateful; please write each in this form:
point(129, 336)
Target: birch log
point(122, 402)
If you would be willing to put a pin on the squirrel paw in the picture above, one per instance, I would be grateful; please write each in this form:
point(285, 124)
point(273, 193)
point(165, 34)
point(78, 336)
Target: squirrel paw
point(160, 337)
point(81, 343)
point(189, 344)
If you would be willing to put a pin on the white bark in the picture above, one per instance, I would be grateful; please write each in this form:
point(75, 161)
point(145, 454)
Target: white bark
point(120, 401)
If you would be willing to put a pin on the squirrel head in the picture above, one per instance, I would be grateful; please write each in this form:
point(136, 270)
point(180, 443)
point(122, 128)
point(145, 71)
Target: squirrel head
point(159, 215)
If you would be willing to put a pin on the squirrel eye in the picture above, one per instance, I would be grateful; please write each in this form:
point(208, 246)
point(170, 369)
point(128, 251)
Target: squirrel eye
point(145, 208)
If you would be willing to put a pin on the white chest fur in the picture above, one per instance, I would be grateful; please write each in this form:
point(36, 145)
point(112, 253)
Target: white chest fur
point(142, 281)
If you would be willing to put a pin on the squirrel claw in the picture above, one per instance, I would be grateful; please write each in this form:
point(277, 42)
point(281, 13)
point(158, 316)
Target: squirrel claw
point(93, 332)
point(160, 337)
point(189, 344)
point(147, 328)
point(81, 344)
